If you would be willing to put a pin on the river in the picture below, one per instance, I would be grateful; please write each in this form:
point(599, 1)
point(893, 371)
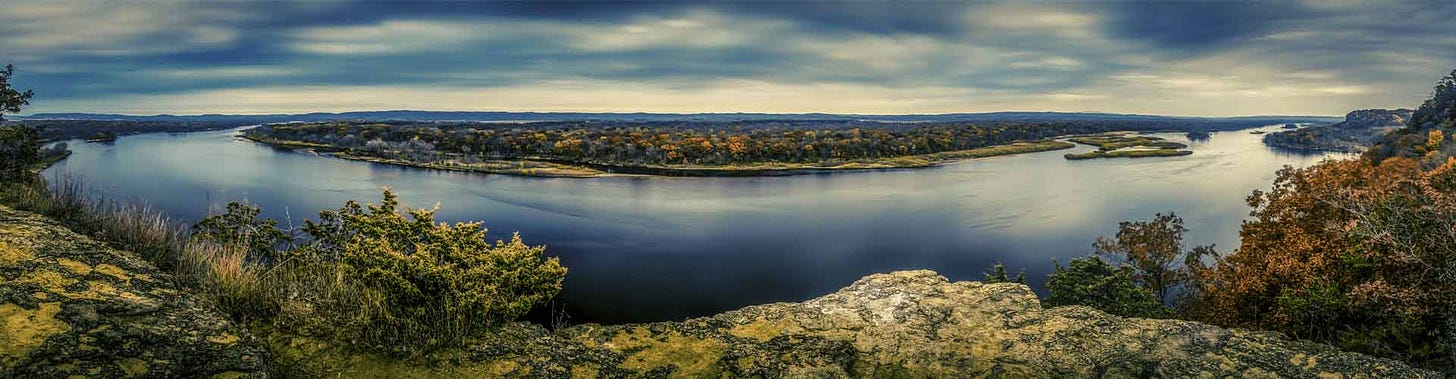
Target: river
point(650, 248)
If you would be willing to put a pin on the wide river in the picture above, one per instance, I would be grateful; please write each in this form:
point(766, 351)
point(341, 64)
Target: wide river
point(650, 249)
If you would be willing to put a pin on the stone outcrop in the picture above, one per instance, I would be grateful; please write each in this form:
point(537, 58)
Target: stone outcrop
point(902, 324)
point(1360, 130)
point(1376, 118)
point(70, 306)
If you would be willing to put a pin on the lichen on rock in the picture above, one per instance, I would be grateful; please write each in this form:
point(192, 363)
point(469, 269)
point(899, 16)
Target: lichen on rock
point(901, 324)
point(70, 305)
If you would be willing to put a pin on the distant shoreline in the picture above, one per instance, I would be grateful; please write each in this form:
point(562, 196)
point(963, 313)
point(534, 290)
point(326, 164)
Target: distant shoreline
point(565, 169)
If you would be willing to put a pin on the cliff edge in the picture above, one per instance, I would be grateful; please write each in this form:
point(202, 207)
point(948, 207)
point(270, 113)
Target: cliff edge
point(901, 324)
point(1360, 129)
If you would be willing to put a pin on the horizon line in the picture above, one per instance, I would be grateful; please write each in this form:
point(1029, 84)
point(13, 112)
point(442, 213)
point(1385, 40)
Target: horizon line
point(666, 113)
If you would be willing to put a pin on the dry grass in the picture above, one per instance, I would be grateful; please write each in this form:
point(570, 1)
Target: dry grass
point(222, 273)
point(126, 226)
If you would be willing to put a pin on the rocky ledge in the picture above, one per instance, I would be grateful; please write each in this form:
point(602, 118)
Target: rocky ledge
point(902, 324)
point(70, 306)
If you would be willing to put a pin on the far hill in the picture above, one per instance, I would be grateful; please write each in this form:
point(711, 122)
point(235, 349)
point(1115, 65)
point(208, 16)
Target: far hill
point(61, 126)
point(1358, 131)
point(416, 115)
point(1427, 135)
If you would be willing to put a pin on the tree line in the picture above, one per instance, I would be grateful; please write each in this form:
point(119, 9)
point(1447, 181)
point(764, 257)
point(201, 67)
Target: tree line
point(668, 143)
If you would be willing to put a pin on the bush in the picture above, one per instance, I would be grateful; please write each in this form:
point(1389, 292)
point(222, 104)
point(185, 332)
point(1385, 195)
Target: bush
point(998, 274)
point(436, 284)
point(1092, 282)
point(388, 282)
point(240, 226)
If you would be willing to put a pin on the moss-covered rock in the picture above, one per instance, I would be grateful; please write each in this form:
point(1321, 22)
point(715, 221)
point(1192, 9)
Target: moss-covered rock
point(902, 324)
point(70, 305)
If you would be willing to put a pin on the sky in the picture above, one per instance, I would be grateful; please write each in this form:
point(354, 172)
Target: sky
point(1323, 57)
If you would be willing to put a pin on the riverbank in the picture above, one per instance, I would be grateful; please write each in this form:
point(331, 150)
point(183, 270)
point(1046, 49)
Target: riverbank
point(1314, 148)
point(566, 169)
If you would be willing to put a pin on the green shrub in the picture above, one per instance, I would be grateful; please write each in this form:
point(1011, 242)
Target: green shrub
point(1092, 282)
point(240, 226)
point(388, 281)
point(436, 284)
point(998, 274)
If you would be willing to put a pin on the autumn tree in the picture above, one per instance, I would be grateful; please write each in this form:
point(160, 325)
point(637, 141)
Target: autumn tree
point(1153, 248)
point(1430, 125)
point(1409, 237)
point(1350, 253)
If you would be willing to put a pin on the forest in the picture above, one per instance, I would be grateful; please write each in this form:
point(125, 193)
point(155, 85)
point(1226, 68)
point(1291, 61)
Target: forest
point(672, 143)
point(60, 130)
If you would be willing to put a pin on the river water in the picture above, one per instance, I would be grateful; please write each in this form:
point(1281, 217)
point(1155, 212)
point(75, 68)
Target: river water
point(650, 249)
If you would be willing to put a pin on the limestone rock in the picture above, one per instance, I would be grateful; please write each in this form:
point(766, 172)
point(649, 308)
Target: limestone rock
point(902, 324)
point(69, 306)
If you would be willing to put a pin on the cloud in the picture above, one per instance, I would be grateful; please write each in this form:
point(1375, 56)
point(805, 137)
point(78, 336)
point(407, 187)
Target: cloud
point(35, 30)
point(1226, 58)
point(558, 95)
point(1198, 27)
point(389, 37)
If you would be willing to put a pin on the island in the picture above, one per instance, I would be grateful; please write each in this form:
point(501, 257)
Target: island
point(594, 149)
point(1124, 146)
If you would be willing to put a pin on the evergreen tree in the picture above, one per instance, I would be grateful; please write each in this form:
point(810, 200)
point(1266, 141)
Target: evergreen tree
point(1092, 282)
point(11, 100)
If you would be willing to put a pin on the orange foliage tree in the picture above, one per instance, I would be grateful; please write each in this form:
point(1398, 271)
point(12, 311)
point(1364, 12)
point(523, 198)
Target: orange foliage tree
point(1350, 253)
